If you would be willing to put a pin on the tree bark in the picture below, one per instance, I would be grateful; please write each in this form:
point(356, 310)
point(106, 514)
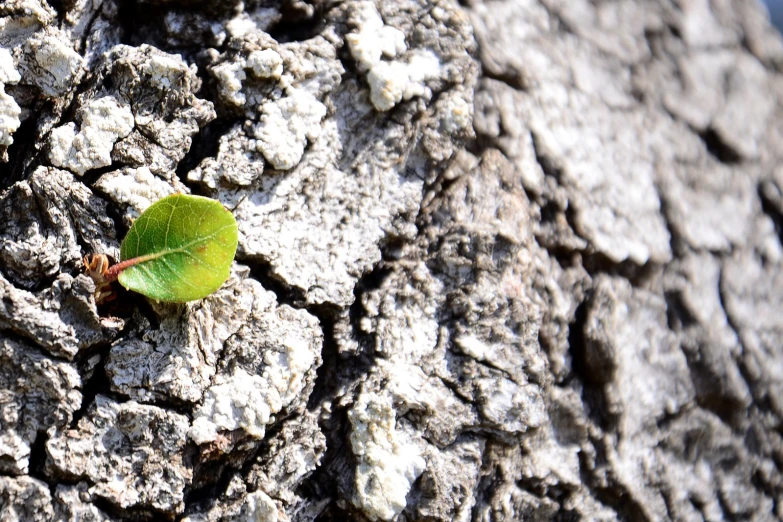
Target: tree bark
point(506, 260)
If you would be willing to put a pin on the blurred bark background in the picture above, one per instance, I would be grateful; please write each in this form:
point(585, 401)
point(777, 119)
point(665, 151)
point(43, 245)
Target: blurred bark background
point(503, 260)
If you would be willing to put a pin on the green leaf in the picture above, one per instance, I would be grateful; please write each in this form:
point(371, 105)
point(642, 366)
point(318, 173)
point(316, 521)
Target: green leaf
point(180, 249)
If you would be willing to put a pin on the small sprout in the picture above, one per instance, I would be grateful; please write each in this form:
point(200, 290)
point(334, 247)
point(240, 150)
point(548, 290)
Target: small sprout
point(180, 249)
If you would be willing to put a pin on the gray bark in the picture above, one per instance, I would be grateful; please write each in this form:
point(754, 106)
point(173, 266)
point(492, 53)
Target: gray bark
point(512, 260)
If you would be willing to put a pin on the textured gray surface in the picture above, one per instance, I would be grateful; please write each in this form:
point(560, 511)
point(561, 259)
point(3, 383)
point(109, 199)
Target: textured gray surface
point(513, 260)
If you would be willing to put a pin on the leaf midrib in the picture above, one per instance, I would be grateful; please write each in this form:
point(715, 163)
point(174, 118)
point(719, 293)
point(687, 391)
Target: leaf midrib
point(181, 249)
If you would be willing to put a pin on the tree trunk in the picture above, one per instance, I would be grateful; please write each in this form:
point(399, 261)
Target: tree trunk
point(513, 260)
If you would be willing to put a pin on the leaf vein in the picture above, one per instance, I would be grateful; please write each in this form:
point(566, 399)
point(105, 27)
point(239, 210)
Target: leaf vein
point(176, 273)
point(186, 246)
point(168, 224)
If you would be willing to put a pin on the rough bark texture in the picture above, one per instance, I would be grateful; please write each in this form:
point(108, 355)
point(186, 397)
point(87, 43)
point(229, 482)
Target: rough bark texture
point(504, 260)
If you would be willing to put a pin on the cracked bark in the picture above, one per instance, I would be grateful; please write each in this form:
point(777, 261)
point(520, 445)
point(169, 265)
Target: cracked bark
point(513, 260)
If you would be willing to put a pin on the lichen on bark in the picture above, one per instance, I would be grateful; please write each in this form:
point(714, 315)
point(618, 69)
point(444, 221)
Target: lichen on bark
point(498, 261)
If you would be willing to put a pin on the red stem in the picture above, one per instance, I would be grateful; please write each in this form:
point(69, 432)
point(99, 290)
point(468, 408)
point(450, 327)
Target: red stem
point(113, 272)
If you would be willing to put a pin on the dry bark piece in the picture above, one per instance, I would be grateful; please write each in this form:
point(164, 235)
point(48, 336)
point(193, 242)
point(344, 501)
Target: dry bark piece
point(115, 441)
point(150, 114)
point(48, 62)
point(292, 454)
point(103, 122)
point(43, 223)
point(48, 218)
point(25, 498)
point(61, 319)
point(267, 366)
point(751, 293)
point(134, 190)
point(177, 360)
point(75, 503)
point(289, 219)
point(39, 396)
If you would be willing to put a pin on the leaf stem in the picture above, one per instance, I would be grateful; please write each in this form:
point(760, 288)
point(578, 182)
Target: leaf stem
point(113, 272)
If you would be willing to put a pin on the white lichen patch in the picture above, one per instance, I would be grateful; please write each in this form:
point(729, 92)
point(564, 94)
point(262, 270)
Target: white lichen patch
point(104, 121)
point(373, 38)
point(286, 125)
point(265, 64)
point(258, 507)
point(135, 189)
point(390, 81)
point(166, 71)
point(9, 109)
point(28, 17)
point(458, 114)
point(506, 403)
point(388, 465)
point(14, 451)
point(420, 67)
point(495, 355)
point(8, 73)
point(235, 402)
point(387, 84)
point(229, 76)
point(245, 401)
